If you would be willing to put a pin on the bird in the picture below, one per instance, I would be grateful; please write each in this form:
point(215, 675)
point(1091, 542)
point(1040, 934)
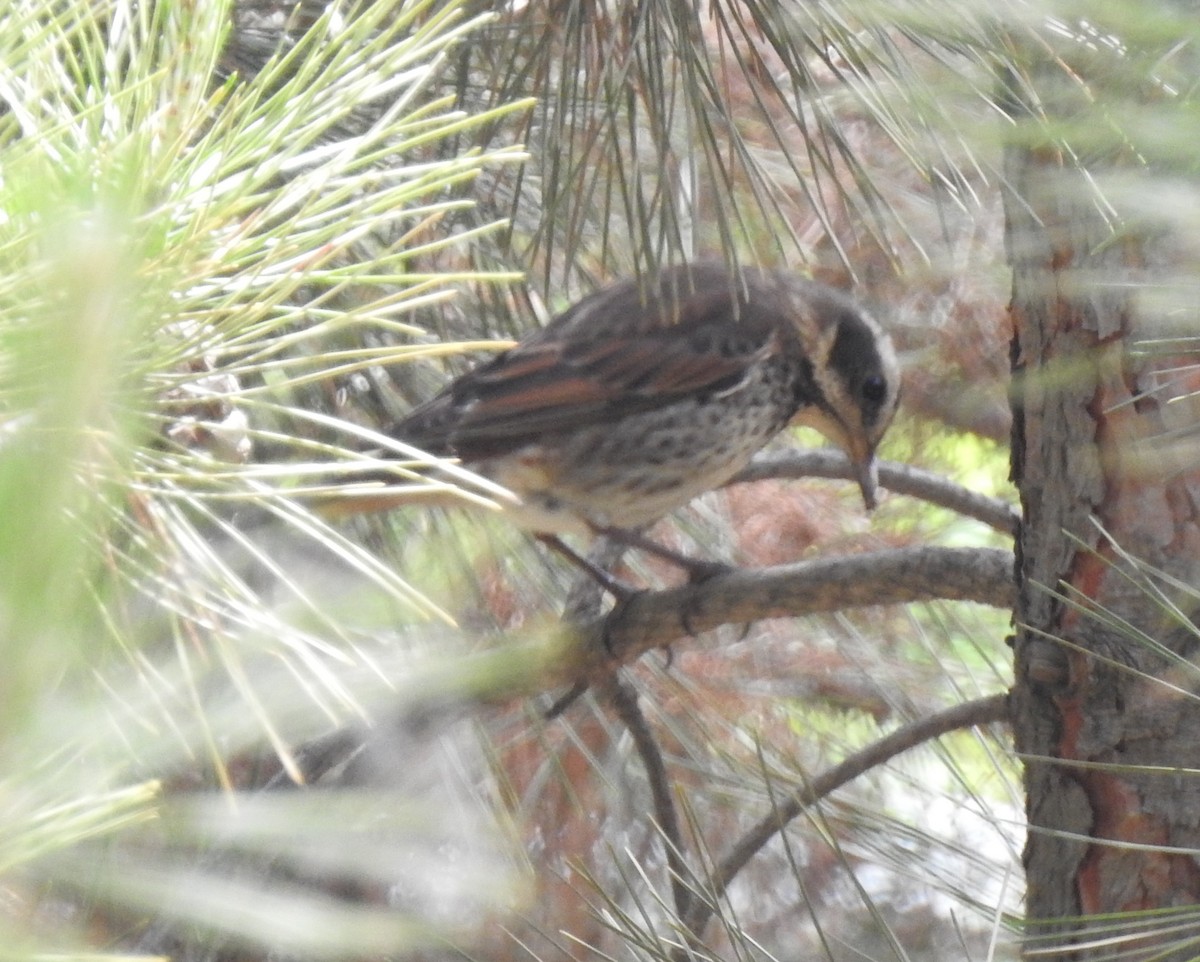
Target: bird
point(651, 391)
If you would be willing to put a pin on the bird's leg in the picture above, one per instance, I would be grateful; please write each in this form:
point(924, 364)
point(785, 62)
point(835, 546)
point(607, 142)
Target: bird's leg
point(698, 569)
point(605, 579)
point(584, 601)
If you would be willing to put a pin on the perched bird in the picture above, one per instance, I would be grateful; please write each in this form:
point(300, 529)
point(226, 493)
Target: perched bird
point(647, 393)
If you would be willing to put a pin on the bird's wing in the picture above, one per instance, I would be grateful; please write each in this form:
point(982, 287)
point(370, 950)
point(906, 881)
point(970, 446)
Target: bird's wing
point(553, 386)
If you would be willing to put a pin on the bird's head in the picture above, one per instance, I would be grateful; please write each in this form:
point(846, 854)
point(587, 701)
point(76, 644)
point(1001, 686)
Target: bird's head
point(854, 383)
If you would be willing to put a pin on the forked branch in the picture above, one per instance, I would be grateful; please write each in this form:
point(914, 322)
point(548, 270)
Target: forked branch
point(981, 711)
point(895, 576)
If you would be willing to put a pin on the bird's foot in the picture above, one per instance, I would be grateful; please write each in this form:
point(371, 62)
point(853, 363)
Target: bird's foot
point(700, 570)
point(564, 701)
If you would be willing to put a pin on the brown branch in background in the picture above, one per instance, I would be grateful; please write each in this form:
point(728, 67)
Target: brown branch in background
point(964, 406)
point(624, 699)
point(900, 478)
point(981, 711)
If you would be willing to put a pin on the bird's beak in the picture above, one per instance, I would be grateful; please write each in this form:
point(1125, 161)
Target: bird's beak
point(868, 479)
point(859, 450)
point(862, 457)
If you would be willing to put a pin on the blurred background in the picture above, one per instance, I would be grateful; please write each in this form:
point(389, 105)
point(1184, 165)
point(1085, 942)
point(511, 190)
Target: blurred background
point(238, 238)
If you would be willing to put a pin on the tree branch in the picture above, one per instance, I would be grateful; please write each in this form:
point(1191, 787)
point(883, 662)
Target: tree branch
point(895, 576)
point(624, 699)
point(563, 652)
point(900, 478)
point(981, 711)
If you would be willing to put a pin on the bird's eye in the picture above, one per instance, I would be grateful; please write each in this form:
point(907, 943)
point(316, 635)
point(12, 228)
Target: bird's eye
point(874, 389)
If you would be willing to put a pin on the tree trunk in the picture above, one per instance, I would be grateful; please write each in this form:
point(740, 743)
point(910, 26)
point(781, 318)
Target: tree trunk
point(1108, 554)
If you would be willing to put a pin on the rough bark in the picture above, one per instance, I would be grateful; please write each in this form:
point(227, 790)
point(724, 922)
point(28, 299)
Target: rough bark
point(1104, 706)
